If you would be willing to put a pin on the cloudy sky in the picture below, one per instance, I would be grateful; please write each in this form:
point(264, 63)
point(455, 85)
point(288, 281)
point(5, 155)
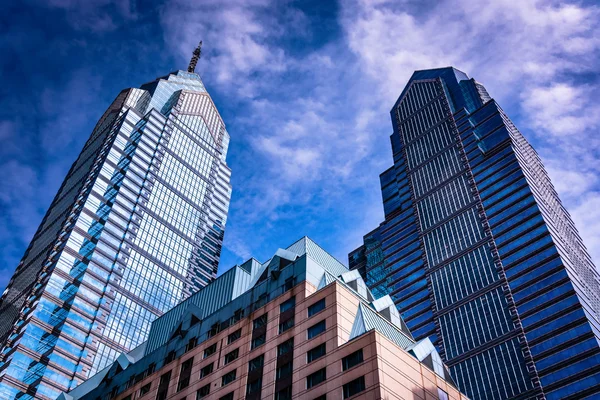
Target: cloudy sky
point(305, 88)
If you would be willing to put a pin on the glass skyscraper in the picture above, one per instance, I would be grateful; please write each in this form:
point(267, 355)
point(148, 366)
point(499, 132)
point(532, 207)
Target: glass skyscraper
point(478, 252)
point(136, 227)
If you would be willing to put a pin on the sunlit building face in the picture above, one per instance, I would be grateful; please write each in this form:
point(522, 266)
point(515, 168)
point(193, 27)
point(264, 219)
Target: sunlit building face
point(136, 227)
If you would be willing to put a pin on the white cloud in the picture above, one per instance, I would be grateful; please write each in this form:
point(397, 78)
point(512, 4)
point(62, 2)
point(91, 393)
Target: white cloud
point(236, 38)
point(586, 216)
point(535, 58)
point(311, 133)
point(562, 109)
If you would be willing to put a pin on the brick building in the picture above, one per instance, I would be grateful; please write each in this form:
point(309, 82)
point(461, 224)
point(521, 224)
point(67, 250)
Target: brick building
point(299, 326)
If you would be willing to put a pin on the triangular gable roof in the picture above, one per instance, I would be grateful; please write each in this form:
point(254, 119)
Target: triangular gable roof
point(326, 280)
point(367, 319)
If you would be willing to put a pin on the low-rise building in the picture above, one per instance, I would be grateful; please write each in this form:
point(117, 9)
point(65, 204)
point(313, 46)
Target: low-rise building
point(299, 326)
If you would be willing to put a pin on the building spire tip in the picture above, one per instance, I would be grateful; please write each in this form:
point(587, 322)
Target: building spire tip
point(195, 57)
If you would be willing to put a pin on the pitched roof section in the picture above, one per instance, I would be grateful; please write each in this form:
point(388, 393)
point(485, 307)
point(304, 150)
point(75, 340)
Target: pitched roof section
point(307, 246)
point(367, 319)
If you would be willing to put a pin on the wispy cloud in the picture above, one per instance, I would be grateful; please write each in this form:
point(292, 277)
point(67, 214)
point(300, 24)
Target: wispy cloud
point(305, 89)
point(537, 58)
point(310, 129)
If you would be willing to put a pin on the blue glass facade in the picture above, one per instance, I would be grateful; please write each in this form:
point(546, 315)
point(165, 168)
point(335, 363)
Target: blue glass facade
point(136, 227)
point(478, 252)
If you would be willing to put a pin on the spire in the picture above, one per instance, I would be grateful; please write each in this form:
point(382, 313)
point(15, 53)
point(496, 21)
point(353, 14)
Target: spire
point(195, 58)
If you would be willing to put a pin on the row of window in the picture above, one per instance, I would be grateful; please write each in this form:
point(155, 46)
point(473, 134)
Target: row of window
point(259, 322)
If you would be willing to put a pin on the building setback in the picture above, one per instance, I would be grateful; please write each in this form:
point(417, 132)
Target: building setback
point(136, 227)
point(300, 325)
point(477, 251)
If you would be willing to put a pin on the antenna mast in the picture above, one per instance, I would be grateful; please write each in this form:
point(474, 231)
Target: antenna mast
point(195, 58)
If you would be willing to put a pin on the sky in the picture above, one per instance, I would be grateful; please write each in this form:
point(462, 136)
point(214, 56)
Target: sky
point(305, 89)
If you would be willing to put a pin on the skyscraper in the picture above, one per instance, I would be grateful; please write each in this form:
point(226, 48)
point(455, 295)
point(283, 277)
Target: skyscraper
point(136, 227)
point(477, 250)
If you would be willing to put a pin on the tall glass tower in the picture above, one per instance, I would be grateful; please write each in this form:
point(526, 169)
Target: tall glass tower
point(477, 250)
point(136, 227)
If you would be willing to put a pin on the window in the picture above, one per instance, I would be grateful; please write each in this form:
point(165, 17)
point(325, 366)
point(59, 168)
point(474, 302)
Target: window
point(145, 389)
point(321, 397)
point(257, 341)
point(216, 328)
point(228, 396)
point(132, 381)
point(203, 392)
point(286, 325)
point(256, 363)
point(284, 370)
point(263, 298)
point(315, 378)
point(237, 316)
point(184, 375)
point(442, 395)
point(206, 370)
point(285, 347)
point(288, 284)
point(232, 355)
point(353, 387)
point(287, 305)
point(254, 386)
point(316, 329)
point(259, 322)
point(170, 356)
point(315, 308)
point(234, 336)
point(284, 394)
point(128, 397)
point(191, 344)
point(150, 369)
point(228, 377)
point(210, 350)
point(163, 386)
point(352, 360)
point(315, 353)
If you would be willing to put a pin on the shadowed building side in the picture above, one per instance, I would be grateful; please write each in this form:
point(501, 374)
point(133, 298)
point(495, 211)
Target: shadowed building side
point(477, 251)
point(136, 227)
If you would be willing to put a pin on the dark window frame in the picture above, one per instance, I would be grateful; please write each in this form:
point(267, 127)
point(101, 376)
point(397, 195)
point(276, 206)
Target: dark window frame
point(310, 357)
point(316, 378)
point(208, 367)
point(261, 321)
point(256, 363)
point(316, 307)
point(288, 304)
point(256, 342)
point(145, 389)
point(210, 350)
point(200, 395)
point(231, 356)
point(232, 337)
point(316, 329)
point(284, 370)
point(352, 360)
point(185, 373)
point(229, 377)
point(288, 345)
point(354, 387)
point(286, 325)
point(258, 382)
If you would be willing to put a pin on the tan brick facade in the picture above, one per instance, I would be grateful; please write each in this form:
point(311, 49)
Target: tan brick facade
point(389, 371)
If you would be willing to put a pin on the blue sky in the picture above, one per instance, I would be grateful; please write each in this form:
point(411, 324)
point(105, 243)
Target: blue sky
point(305, 89)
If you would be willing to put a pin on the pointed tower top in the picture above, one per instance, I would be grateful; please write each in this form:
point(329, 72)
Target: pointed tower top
point(195, 58)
